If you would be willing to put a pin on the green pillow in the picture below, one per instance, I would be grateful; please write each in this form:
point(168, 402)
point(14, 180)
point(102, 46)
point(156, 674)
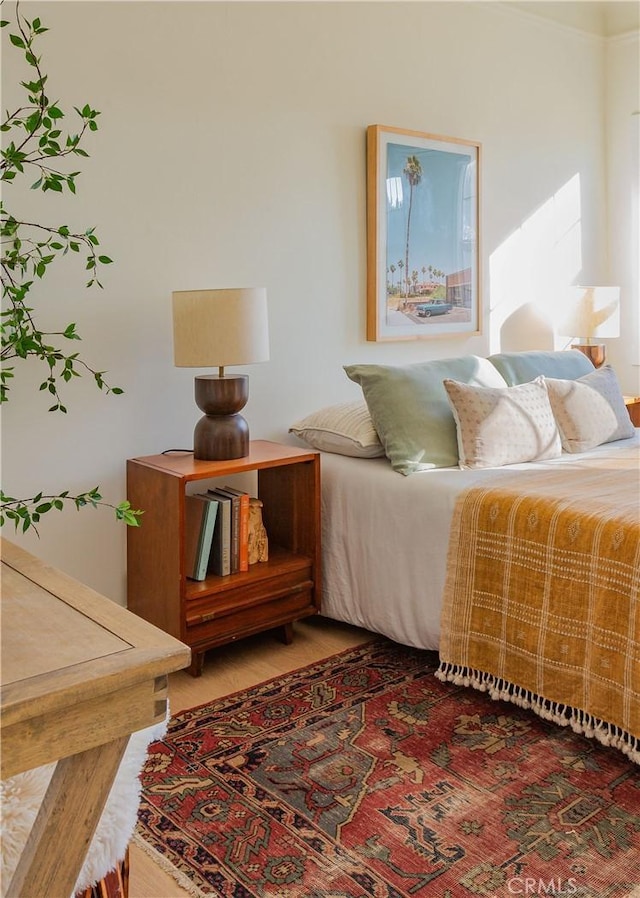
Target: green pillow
point(410, 411)
point(522, 367)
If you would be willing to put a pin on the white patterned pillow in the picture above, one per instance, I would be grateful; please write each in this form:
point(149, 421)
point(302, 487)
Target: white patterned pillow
point(503, 425)
point(345, 429)
point(589, 411)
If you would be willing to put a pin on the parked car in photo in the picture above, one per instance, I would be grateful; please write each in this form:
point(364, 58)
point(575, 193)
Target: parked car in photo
point(435, 307)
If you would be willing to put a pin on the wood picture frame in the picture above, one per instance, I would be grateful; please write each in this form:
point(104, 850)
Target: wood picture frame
point(423, 235)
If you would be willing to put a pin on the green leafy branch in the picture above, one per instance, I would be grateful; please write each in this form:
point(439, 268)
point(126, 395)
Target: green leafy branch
point(36, 144)
point(40, 119)
point(26, 513)
point(28, 248)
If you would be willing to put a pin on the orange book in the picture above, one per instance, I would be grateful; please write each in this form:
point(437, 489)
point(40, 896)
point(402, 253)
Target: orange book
point(243, 528)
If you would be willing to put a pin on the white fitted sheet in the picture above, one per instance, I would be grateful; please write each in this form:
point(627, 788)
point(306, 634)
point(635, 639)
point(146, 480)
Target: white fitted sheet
point(385, 539)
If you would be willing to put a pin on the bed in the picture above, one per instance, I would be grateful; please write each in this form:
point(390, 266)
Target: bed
point(544, 612)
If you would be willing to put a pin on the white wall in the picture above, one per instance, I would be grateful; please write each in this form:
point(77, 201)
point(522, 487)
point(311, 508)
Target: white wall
point(622, 129)
point(232, 153)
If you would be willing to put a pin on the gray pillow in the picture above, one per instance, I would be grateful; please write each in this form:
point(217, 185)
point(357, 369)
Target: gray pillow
point(410, 411)
point(522, 367)
point(590, 411)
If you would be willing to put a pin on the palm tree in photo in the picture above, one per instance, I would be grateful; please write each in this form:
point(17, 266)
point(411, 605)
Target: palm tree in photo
point(392, 269)
point(400, 267)
point(413, 173)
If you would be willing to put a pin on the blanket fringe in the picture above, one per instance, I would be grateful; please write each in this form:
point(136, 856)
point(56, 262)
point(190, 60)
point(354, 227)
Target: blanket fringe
point(580, 721)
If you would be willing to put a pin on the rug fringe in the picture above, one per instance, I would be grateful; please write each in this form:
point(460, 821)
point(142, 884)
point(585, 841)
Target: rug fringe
point(580, 721)
point(181, 878)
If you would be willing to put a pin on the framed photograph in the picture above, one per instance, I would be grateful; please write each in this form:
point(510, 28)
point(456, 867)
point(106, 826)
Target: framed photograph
point(423, 257)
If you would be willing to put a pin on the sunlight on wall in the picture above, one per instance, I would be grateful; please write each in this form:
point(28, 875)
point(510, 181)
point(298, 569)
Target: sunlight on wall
point(634, 249)
point(528, 271)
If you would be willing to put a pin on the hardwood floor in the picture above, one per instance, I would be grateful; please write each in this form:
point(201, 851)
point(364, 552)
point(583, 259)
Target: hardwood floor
point(230, 669)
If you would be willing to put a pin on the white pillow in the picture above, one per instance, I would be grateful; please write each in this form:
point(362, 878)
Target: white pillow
point(590, 410)
point(346, 429)
point(503, 425)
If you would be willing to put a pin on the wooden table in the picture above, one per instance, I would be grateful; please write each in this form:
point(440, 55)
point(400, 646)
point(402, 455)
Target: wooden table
point(79, 675)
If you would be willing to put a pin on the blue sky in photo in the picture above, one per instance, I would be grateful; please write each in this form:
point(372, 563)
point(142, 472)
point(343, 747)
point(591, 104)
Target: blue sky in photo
point(441, 217)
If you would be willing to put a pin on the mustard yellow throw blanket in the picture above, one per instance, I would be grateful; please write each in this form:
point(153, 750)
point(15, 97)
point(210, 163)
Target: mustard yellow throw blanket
point(541, 603)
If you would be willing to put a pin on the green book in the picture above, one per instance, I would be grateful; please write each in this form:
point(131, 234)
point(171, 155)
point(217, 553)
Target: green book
point(200, 518)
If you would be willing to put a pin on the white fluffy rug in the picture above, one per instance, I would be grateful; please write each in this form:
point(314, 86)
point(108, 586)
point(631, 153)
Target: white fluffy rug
point(21, 796)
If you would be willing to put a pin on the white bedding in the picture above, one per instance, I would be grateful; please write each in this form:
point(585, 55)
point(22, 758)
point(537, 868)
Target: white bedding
point(385, 537)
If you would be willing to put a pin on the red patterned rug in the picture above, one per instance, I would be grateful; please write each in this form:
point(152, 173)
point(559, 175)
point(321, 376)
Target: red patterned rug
point(364, 775)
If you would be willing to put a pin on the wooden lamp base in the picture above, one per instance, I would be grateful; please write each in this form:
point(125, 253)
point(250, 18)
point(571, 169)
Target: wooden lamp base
point(222, 433)
point(593, 351)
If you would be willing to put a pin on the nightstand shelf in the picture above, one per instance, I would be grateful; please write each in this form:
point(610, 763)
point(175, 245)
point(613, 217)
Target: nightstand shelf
point(279, 564)
point(218, 610)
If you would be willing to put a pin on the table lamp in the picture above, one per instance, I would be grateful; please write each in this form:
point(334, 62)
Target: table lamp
point(217, 328)
point(593, 314)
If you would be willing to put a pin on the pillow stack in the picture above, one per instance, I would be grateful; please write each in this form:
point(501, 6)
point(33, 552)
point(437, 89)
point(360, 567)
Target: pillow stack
point(534, 421)
point(464, 412)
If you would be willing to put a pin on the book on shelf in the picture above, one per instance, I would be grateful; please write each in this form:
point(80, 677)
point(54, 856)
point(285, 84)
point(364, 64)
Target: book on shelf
point(200, 517)
point(243, 526)
point(235, 525)
point(220, 557)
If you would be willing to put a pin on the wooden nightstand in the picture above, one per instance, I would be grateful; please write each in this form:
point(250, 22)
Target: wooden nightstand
point(633, 407)
point(218, 610)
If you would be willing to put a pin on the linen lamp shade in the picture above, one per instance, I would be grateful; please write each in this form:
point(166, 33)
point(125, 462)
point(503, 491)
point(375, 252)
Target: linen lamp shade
point(217, 328)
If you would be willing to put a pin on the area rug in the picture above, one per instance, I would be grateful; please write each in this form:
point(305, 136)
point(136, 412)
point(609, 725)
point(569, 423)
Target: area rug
point(364, 775)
